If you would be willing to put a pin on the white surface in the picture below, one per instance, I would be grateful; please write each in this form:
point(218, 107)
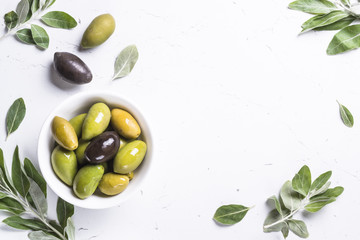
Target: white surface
point(68, 110)
point(237, 101)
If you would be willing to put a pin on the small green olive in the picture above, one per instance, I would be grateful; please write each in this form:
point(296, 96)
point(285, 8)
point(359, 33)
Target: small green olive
point(112, 183)
point(64, 134)
point(87, 179)
point(129, 157)
point(125, 124)
point(80, 151)
point(64, 164)
point(77, 123)
point(96, 121)
point(99, 30)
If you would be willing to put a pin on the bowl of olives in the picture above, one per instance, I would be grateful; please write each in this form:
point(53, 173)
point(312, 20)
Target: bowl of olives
point(95, 150)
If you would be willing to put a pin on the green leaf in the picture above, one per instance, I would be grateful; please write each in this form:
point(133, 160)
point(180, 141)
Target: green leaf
point(59, 19)
point(273, 217)
point(22, 10)
point(298, 227)
point(54, 224)
point(40, 36)
point(346, 3)
point(276, 203)
point(70, 229)
point(25, 36)
point(125, 61)
point(2, 195)
point(302, 181)
point(64, 211)
point(11, 205)
point(346, 39)
point(35, 6)
point(40, 235)
point(320, 184)
point(47, 3)
point(318, 203)
point(323, 20)
point(15, 115)
point(345, 114)
point(291, 199)
point(285, 231)
point(337, 25)
point(32, 173)
point(230, 214)
point(24, 224)
point(38, 198)
point(21, 182)
point(313, 6)
point(11, 19)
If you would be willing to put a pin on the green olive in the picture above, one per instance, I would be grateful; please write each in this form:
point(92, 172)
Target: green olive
point(99, 30)
point(130, 175)
point(129, 157)
point(80, 151)
point(112, 183)
point(123, 142)
point(96, 121)
point(77, 123)
point(125, 124)
point(64, 164)
point(87, 179)
point(64, 134)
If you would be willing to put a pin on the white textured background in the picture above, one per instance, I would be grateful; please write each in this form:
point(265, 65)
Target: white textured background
point(237, 102)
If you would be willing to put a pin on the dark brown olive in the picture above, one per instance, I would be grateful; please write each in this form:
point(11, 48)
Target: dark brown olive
point(102, 148)
point(72, 68)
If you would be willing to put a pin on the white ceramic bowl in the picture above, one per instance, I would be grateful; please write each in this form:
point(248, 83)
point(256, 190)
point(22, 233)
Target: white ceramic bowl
point(77, 104)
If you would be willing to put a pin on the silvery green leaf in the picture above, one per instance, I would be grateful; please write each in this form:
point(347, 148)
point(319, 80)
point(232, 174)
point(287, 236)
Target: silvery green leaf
point(55, 225)
point(5, 176)
point(285, 230)
point(332, 192)
point(15, 115)
point(291, 199)
point(11, 205)
point(230, 214)
point(125, 61)
point(21, 182)
point(320, 190)
point(346, 39)
point(318, 185)
point(22, 10)
point(38, 198)
point(2, 195)
point(70, 229)
point(298, 227)
point(64, 211)
point(41, 38)
point(337, 25)
point(40, 235)
point(24, 224)
point(273, 217)
point(302, 181)
point(346, 3)
point(318, 203)
point(277, 204)
point(34, 174)
point(323, 20)
point(345, 114)
point(25, 36)
point(58, 19)
point(313, 6)
point(35, 6)
point(47, 3)
point(11, 19)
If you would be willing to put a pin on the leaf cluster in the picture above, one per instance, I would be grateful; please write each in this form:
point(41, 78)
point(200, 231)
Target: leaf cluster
point(297, 195)
point(332, 15)
point(26, 11)
point(23, 196)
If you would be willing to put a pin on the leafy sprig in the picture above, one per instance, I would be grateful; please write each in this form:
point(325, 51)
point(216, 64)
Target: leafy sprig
point(23, 195)
point(332, 15)
point(298, 195)
point(29, 10)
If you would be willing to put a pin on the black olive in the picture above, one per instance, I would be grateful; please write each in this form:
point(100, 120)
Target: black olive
point(102, 148)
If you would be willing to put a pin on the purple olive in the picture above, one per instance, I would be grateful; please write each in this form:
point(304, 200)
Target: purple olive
point(72, 68)
point(102, 148)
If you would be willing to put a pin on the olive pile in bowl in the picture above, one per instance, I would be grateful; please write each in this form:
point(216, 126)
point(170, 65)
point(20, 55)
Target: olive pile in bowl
point(99, 149)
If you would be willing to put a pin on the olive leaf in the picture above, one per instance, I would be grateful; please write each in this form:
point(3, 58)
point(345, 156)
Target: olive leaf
point(346, 116)
point(125, 61)
point(70, 229)
point(11, 19)
point(22, 10)
point(11, 205)
point(323, 20)
point(230, 214)
point(340, 24)
point(346, 39)
point(35, 6)
point(64, 211)
point(40, 235)
point(21, 182)
point(24, 224)
point(59, 19)
point(298, 227)
point(25, 36)
point(313, 6)
point(38, 198)
point(41, 38)
point(302, 181)
point(32, 173)
point(15, 115)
